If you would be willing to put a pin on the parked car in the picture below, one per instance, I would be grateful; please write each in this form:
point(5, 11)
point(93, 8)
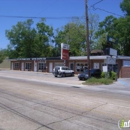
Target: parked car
point(62, 71)
point(93, 73)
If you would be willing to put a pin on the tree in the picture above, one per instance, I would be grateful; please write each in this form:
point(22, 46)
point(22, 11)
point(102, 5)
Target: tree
point(27, 41)
point(118, 29)
point(125, 6)
point(106, 28)
point(123, 35)
point(74, 34)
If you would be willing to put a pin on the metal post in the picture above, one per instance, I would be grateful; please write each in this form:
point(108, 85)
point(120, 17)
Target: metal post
point(87, 36)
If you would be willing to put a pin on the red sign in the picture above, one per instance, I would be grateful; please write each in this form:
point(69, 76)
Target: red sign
point(65, 54)
point(64, 51)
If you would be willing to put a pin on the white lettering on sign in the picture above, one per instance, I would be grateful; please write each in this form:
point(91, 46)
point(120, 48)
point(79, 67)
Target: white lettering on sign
point(65, 46)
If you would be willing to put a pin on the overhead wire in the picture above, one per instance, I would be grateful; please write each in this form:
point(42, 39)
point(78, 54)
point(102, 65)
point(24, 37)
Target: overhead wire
point(47, 7)
point(39, 17)
point(93, 6)
point(56, 18)
point(34, 17)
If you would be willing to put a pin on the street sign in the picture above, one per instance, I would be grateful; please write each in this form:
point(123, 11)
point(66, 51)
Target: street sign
point(110, 51)
point(110, 60)
point(105, 69)
point(111, 39)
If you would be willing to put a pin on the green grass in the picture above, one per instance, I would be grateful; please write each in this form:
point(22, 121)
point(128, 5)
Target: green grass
point(98, 81)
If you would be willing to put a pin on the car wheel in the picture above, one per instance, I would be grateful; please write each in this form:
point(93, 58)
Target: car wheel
point(63, 75)
point(83, 78)
point(55, 75)
point(72, 74)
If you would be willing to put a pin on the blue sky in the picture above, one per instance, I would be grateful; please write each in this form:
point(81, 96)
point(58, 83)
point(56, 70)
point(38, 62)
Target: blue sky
point(50, 9)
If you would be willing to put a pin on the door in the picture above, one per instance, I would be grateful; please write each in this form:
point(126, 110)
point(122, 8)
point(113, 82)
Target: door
point(50, 67)
point(22, 66)
point(71, 66)
point(35, 66)
point(12, 67)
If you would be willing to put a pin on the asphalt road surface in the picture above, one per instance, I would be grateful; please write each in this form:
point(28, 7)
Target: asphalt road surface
point(37, 101)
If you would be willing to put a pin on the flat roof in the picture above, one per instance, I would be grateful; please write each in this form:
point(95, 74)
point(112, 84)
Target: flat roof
point(98, 57)
point(103, 57)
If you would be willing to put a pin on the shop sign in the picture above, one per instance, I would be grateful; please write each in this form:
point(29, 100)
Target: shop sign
point(126, 63)
point(65, 51)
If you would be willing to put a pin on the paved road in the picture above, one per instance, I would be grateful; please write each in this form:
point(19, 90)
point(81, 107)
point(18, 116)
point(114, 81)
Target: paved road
point(36, 101)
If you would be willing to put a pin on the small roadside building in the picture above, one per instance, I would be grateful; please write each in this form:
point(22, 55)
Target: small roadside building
point(77, 63)
point(5, 64)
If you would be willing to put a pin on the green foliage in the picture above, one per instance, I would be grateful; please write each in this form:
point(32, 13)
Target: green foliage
point(74, 34)
point(113, 75)
point(27, 41)
point(97, 81)
point(103, 74)
point(125, 6)
point(118, 29)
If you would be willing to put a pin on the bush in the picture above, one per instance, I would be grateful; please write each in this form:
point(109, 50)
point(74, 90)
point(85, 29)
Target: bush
point(95, 81)
point(103, 75)
point(113, 75)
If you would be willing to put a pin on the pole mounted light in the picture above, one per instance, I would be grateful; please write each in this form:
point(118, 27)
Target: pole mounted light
point(87, 36)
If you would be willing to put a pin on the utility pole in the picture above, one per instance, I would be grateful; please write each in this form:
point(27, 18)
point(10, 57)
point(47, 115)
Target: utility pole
point(87, 36)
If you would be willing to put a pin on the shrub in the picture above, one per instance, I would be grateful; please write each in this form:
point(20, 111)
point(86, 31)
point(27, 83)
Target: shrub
point(113, 75)
point(95, 81)
point(103, 75)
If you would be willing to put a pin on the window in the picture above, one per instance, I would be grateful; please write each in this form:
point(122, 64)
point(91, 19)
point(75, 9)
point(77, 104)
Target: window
point(42, 66)
point(16, 65)
point(28, 66)
point(80, 67)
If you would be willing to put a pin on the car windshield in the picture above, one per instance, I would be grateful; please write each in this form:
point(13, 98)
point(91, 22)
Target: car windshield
point(65, 68)
point(86, 71)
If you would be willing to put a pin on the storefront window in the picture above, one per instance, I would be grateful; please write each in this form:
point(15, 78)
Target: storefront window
point(80, 67)
point(16, 65)
point(42, 66)
point(28, 66)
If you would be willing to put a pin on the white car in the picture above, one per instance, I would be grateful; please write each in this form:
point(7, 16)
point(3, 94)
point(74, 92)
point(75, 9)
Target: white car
point(62, 71)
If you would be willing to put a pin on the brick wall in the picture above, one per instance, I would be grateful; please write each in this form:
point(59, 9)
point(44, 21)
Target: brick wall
point(125, 72)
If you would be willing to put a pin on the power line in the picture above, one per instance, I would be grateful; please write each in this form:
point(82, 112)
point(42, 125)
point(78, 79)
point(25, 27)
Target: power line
point(34, 17)
point(47, 7)
point(108, 12)
point(97, 3)
point(93, 6)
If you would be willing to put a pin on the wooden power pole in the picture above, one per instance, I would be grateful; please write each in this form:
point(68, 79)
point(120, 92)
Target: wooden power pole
point(87, 36)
